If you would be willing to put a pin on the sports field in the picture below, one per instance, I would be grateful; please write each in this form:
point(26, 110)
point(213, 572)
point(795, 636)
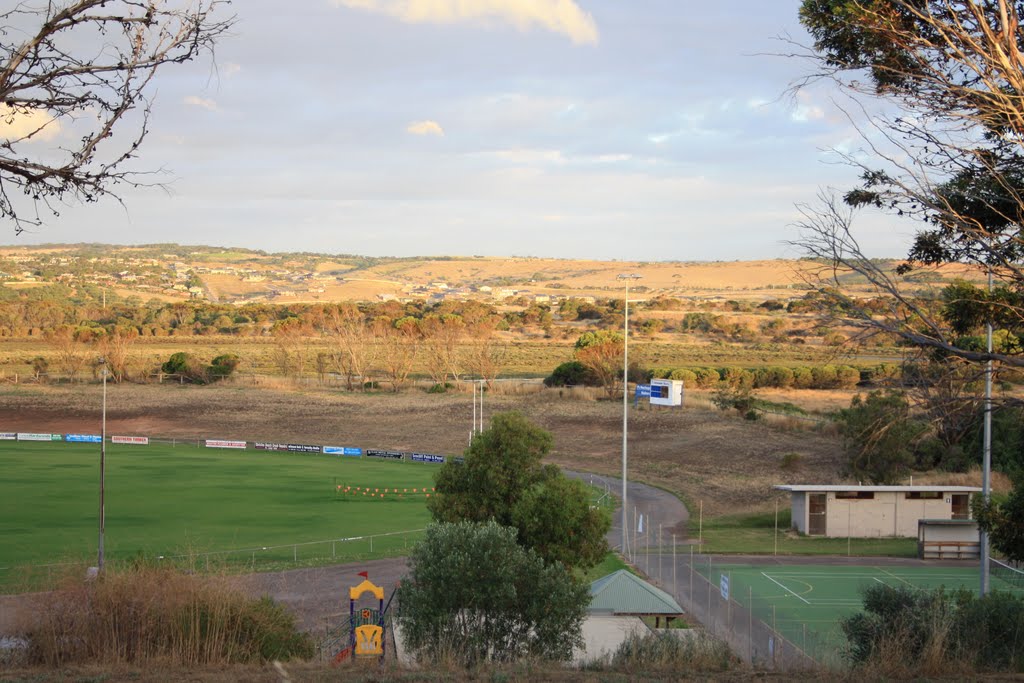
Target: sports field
point(164, 500)
point(805, 603)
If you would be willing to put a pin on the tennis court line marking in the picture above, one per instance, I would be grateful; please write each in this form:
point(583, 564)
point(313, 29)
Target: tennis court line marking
point(784, 588)
point(897, 578)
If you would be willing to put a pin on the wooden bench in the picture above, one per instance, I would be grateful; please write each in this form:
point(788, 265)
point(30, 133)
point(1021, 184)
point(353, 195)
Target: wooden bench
point(949, 550)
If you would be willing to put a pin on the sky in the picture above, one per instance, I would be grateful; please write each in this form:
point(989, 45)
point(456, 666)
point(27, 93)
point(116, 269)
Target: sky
point(593, 129)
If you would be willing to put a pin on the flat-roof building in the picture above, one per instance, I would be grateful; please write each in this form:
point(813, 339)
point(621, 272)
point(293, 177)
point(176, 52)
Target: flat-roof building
point(843, 510)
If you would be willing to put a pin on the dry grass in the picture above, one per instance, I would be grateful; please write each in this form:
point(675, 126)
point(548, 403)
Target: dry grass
point(1000, 482)
point(147, 615)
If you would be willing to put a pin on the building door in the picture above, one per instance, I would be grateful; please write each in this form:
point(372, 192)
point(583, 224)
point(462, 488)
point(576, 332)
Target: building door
point(816, 507)
point(961, 506)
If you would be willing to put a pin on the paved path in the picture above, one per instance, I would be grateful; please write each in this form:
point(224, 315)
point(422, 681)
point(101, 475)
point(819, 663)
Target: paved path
point(657, 506)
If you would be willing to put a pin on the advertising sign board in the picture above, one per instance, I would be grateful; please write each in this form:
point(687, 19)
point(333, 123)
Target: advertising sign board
point(83, 438)
point(134, 440)
point(343, 450)
point(267, 446)
point(28, 436)
point(224, 443)
point(426, 457)
point(8, 436)
point(389, 455)
point(302, 448)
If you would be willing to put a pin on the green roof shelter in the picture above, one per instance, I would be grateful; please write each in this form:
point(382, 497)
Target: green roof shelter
point(624, 594)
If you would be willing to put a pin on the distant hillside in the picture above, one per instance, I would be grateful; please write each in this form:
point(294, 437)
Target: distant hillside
point(233, 275)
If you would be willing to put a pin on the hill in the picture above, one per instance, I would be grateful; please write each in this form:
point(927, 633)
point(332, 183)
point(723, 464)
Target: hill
point(168, 272)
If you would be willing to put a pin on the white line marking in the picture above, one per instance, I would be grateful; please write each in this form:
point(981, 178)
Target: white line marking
point(875, 578)
point(784, 588)
point(897, 578)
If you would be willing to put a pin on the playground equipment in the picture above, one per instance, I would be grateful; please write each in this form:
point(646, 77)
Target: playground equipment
point(364, 631)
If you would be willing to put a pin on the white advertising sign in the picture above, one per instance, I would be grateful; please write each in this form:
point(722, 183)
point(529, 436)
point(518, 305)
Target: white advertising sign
point(222, 443)
point(137, 440)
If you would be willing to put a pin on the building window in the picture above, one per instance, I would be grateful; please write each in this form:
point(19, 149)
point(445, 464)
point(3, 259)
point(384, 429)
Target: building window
point(924, 495)
point(855, 495)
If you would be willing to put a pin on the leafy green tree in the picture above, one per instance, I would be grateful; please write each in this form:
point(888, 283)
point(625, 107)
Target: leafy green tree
point(502, 479)
point(1004, 521)
point(601, 353)
point(879, 436)
point(474, 595)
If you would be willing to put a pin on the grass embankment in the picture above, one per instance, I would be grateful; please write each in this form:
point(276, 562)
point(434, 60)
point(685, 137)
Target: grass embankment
point(757, 534)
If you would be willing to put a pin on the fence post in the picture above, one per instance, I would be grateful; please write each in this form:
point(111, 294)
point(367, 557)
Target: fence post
point(750, 621)
point(332, 550)
point(295, 554)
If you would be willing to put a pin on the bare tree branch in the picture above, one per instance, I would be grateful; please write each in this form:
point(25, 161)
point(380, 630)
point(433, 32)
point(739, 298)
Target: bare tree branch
point(72, 72)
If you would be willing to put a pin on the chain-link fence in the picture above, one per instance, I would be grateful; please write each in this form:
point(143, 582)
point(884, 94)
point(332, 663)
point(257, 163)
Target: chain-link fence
point(256, 558)
point(758, 628)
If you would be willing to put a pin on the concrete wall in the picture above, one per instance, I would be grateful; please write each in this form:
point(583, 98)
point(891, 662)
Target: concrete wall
point(889, 513)
point(799, 511)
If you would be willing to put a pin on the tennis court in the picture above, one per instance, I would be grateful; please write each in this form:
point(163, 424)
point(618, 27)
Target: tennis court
point(805, 603)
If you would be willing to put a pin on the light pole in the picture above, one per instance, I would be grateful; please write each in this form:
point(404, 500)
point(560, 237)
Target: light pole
point(103, 458)
point(986, 456)
point(625, 406)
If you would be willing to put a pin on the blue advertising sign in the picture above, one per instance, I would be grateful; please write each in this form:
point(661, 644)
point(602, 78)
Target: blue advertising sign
point(343, 450)
point(84, 438)
point(643, 390)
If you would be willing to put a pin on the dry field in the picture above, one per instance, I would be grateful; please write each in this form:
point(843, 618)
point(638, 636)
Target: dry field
point(749, 280)
point(699, 453)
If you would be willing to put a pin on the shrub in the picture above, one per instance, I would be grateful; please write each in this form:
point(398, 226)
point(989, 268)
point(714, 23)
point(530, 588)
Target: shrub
point(802, 378)
point(146, 614)
point(223, 366)
point(905, 630)
point(571, 373)
point(689, 377)
point(657, 652)
point(791, 462)
point(706, 377)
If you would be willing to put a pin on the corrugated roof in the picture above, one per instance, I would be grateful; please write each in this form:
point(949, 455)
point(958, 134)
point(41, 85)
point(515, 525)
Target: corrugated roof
point(828, 488)
point(624, 593)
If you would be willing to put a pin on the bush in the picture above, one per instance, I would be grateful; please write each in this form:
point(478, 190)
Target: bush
point(905, 630)
point(570, 374)
point(223, 366)
point(146, 614)
point(657, 652)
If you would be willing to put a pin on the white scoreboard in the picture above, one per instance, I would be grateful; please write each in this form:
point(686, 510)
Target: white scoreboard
point(667, 392)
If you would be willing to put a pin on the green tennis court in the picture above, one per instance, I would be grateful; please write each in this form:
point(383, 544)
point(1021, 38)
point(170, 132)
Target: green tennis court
point(804, 603)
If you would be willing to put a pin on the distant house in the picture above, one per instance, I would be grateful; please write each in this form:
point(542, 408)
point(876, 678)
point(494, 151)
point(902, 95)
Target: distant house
point(842, 510)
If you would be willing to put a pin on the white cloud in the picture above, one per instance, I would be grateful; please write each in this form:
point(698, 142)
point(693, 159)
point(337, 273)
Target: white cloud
point(36, 124)
point(425, 128)
point(231, 68)
point(805, 109)
point(201, 102)
point(559, 16)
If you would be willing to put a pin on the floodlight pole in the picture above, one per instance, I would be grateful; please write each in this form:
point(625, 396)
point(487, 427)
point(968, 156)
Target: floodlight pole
point(986, 459)
point(625, 407)
point(103, 458)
